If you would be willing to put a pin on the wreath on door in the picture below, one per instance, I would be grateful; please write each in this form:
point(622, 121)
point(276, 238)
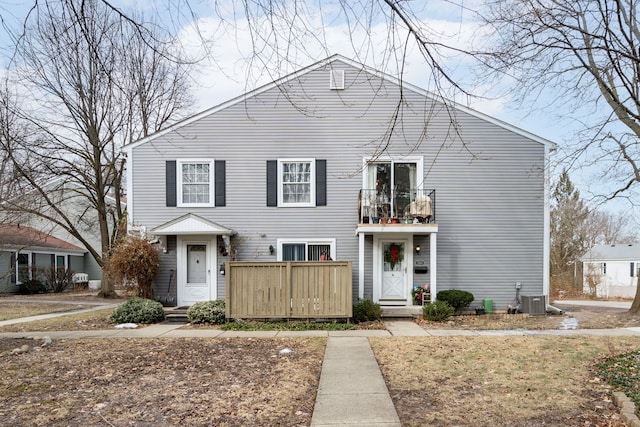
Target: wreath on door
point(393, 254)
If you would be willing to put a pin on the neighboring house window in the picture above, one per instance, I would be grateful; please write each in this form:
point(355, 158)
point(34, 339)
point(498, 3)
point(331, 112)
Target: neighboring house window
point(296, 182)
point(24, 272)
point(633, 269)
point(195, 183)
point(306, 250)
point(604, 268)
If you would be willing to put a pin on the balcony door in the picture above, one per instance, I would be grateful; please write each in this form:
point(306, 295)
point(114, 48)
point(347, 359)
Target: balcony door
point(393, 183)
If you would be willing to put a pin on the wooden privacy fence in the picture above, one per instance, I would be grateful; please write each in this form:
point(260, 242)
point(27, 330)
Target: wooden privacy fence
point(288, 289)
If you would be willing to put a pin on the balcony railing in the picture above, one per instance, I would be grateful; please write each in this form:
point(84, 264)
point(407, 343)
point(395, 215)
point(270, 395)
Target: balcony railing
point(414, 206)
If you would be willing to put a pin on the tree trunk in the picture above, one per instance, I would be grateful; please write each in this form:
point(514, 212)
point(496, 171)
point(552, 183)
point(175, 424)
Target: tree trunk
point(635, 306)
point(106, 288)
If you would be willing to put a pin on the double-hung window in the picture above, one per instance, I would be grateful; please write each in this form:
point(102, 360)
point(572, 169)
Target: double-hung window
point(297, 182)
point(195, 183)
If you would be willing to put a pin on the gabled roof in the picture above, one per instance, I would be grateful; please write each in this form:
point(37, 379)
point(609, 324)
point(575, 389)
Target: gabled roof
point(20, 237)
point(323, 63)
point(191, 224)
point(620, 252)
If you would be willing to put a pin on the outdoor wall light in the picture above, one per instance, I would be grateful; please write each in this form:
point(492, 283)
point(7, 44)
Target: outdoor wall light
point(222, 271)
point(271, 249)
point(418, 249)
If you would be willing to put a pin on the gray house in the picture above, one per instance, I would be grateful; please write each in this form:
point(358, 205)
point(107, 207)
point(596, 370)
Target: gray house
point(27, 240)
point(27, 253)
point(317, 165)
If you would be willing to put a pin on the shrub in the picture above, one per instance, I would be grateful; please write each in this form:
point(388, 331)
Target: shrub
point(437, 311)
point(134, 261)
point(455, 298)
point(138, 310)
point(32, 286)
point(366, 310)
point(207, 312)
point(58, 279)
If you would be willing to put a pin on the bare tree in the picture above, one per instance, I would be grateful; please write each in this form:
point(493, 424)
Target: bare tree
point(586, 52)
point(581, 56)
point(93, 84)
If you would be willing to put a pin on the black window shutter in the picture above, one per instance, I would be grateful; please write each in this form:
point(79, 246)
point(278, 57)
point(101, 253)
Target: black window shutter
point(321, 183)
point(170, 181)
point(272, 183)
point(220, 183)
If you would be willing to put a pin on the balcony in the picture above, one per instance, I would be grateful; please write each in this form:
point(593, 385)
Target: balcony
point(399, 207)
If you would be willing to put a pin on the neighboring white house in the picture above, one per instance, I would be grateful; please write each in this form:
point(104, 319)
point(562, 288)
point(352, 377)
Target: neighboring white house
point(611, 270)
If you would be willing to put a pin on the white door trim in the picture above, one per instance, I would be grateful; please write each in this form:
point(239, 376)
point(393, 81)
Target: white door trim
point(181, 266)
point(378, 257)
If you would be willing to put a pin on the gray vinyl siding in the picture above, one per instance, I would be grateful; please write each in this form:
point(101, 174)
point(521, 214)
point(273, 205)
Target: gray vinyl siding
point(164, 284)
point(489, 180)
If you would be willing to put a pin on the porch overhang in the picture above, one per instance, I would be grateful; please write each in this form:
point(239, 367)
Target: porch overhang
point(430, 229)
point(420, 229)
point(191, 224)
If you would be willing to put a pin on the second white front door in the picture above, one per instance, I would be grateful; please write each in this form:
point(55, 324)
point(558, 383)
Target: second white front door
point(393, 278)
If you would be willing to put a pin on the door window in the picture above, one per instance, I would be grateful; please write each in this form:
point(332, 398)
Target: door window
point(196, 263)
point(393, 256)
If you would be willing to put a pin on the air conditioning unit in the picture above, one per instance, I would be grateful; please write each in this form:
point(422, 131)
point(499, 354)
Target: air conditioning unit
point(535, 305)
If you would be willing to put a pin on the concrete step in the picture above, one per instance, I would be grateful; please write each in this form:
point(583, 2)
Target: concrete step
point(176, 314)
point(401, 311)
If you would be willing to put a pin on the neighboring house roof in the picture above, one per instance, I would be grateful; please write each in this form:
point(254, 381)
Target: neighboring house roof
point(620, 252)
point(325, 62)
point(20, 237)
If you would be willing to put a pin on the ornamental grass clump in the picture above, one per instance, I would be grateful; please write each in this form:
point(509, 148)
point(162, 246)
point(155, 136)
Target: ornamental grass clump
point(207, 312)
point(138, 310)
point(457, 299)
point(437, 311)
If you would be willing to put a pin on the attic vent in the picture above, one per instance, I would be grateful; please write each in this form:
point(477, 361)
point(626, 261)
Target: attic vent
point(336, 79)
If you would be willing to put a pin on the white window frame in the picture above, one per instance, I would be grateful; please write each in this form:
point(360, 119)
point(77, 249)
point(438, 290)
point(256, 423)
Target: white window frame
point(418, 160)
point(331, 242)
point(312, 186)
point(179, 183)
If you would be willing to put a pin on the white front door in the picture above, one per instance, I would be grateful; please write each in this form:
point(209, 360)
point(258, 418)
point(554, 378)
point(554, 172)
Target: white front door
point(195, 266)
point(393, 279)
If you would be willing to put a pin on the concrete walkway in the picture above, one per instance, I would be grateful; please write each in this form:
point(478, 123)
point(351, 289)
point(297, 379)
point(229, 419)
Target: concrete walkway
point(352, 391)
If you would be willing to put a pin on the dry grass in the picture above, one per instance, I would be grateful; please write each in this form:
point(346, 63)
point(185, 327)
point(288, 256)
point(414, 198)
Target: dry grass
point(462, 381)
point(91, 320)
point(15, 310)
point(498, 381)
point(161, 382)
